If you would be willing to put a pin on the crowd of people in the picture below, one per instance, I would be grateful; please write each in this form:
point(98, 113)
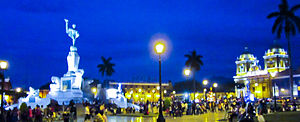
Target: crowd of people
point(235, 109)
point(53, 112)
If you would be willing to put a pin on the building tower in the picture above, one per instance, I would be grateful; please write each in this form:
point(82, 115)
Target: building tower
point(246, 62)
point(275, 59)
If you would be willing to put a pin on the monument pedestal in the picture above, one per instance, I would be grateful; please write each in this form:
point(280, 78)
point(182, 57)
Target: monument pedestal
point(64, 97)
point(68, 87)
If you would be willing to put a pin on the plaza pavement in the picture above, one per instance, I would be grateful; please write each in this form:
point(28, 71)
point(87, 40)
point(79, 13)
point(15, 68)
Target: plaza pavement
point(207, 117)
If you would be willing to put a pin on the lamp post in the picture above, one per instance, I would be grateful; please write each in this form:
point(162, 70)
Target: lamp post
point(159, 49)
point(215, 85)
point(204, 82)
point(18, 89)
point(3, 66)
point(187, 73)
point(94, 91)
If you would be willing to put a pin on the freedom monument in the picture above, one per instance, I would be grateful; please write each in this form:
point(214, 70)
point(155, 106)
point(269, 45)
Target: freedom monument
point(68, 87)
point(62, 89)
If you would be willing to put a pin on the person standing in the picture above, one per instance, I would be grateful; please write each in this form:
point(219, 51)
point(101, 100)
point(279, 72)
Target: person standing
point(30, 114)
point(87, 113)
point(38, 114)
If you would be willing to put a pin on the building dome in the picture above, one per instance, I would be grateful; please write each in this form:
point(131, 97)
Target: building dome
point(246, 55)
point(275, 49)
point(275, 58)
point(246, 62)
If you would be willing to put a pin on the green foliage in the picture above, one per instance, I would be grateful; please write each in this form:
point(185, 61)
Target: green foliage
point(167, 103)
point(23, 107)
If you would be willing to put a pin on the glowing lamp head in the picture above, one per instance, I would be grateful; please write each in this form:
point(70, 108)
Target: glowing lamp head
point(3, 64)
point(140, 90)
point(215, 85)
point(256, 84)
point(165, 91)
point(186, 95)
point(157, 87)
point(94, 89)
point(159, 48)
point(174, 92)
point(18, 89)
point(153, 90)
point(187, 72)
point(205, 82)
point(282, 89)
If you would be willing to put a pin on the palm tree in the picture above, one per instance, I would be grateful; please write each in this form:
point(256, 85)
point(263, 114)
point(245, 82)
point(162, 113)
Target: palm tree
point(194, 62)
point(287, 20)
point(107, 67)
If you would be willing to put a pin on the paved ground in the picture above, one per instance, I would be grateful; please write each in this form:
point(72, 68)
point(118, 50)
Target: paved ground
point(208, 117)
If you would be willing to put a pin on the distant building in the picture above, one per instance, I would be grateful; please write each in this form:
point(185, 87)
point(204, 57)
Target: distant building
point(7, 85)
point(142, 91)
point(259, 80)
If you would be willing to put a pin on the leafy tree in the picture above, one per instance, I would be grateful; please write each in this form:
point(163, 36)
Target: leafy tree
point(107, 67)
point(194, 61)
point(287, 21)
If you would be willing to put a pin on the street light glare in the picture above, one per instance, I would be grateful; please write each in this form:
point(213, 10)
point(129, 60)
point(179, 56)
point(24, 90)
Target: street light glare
point(94, 89)
point(18, 89)
point(3, 64)
point(159, 48)
point(215, 85)
point(187, 72)
point(205, 82)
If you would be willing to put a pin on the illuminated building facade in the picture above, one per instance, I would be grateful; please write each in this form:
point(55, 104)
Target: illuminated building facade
point(251, 79)
point(143, 92)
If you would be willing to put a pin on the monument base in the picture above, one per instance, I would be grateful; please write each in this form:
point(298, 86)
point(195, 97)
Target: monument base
point(64, 97)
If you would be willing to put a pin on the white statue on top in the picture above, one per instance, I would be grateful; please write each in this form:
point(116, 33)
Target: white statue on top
point(71, 32)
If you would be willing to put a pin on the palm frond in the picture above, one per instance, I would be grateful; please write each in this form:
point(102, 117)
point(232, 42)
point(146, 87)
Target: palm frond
point(273, 14)
point(276, 23)
point(296, 21)
point(279, 31)
point(295, 8)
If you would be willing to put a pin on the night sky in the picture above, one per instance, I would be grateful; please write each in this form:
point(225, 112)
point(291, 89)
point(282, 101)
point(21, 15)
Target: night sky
point(33, 38)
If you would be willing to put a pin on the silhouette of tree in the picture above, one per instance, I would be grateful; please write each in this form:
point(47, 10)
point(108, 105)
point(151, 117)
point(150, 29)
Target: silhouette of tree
point(287, 20)
point(194, 62)
point(107, 67)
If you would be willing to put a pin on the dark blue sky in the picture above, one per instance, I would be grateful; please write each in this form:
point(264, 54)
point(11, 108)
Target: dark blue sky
point(33, 38)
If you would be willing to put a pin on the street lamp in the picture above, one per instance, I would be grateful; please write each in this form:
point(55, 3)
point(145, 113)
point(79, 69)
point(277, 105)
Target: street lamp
point(215, 85)
point(159, 48)
point(3, 66)
point(94, 91)
point(187, 72)
point(18, 89)
point(205, 82)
